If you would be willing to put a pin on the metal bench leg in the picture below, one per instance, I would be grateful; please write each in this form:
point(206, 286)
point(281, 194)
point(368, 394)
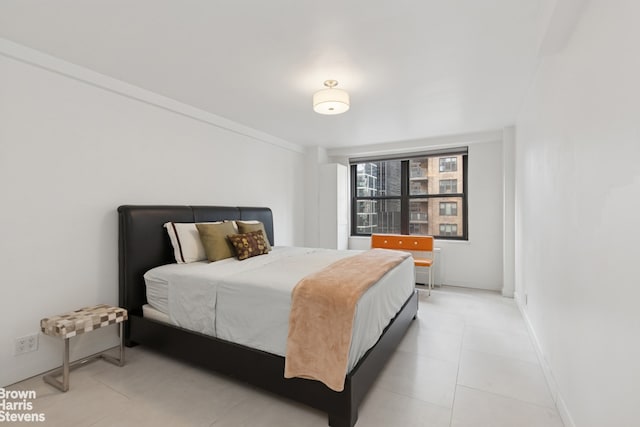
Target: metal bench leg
point(119, 361)
point(64, 370)
point(65, 366)
point(51, 378)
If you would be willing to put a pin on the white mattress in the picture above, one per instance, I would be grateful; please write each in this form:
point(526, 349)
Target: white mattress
point(153, 314)
point(248, 302)
point(157, 293)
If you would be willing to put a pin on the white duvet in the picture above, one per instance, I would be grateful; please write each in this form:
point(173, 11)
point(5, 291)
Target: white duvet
point(248, 302)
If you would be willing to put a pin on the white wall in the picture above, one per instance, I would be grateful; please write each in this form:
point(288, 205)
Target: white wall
point(72, 152)
point(333, 206)
point(577, 204)
point(476, 263)
point(314, 158)
point(509, 212)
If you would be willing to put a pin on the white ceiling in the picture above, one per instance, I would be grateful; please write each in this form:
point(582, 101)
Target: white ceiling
point(414, 68)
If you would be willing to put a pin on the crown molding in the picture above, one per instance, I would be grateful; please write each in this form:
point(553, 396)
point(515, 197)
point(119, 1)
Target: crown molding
point(50, 63)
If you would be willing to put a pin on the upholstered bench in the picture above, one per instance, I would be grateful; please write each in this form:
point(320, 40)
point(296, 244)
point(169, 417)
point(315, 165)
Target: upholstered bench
point(78, 322)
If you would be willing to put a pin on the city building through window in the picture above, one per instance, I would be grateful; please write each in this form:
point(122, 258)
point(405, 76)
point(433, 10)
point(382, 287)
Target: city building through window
point(448, 229)
point(448, 208)
point(421, 195)
point(448, 185)
point(448, 164)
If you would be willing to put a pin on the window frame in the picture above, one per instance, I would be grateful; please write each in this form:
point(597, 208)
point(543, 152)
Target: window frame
point(405, 197)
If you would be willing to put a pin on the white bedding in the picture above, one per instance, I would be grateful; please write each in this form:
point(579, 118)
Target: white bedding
point(248, 302)
point(157, 293)
point(153, 314)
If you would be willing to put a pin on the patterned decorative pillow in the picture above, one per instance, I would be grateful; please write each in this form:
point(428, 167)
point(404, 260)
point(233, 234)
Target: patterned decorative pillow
point(247, 226)
point(249, 244)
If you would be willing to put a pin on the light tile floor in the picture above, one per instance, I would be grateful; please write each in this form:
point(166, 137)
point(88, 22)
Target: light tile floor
point(467, 360)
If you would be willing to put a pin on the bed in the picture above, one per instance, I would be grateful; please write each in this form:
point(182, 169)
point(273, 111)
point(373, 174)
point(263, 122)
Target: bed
point(143, 245)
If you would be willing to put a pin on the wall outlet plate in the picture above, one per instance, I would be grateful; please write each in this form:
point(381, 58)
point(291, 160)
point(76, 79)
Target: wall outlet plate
point(26, 344)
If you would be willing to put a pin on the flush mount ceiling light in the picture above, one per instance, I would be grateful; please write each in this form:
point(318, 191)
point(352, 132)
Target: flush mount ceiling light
point(331, 100)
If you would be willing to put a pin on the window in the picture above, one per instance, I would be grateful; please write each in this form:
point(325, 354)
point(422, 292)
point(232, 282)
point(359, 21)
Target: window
point(378, 197)
point(408, 196)
point(448, 164)
point(448, 185)
point(448, 208)
point(448, 229)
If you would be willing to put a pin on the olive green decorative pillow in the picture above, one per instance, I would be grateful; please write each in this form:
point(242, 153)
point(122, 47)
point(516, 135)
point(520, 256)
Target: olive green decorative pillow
point(249, 244)
point(248, 226)
point(214, 239)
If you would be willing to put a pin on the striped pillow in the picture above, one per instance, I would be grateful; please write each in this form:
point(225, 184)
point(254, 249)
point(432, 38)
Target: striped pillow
point(185, 239)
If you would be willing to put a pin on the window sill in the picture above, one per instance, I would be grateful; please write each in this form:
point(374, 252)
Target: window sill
point(445, 241)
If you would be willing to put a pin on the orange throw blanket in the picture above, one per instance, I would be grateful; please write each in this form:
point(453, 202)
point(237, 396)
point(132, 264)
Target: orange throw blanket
point(323, 307)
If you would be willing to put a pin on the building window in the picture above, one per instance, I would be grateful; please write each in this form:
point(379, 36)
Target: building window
point(448, 208)
point(448, 229)
point(408, 196)
point(448, 164)
point(448, 186)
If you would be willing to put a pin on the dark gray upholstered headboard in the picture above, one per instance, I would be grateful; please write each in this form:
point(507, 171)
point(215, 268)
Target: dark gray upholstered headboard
point(143, 242)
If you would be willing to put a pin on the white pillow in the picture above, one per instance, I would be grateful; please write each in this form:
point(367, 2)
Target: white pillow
point(185, 239)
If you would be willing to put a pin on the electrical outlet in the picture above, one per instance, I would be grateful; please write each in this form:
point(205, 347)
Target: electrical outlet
point(26, 344)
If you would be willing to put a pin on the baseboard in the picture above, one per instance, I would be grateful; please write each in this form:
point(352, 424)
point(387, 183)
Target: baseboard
point(546, 369)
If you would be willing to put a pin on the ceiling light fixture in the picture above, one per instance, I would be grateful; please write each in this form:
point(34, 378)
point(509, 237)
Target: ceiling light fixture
point(331, 100)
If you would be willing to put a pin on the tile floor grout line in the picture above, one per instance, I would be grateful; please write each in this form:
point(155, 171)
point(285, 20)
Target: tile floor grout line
point(455, 389)
point(525, 333)
point(502, 356)
point(232, 407)
point(537, 405)
point(414, 398)
point(417, 399)
point(131, 398)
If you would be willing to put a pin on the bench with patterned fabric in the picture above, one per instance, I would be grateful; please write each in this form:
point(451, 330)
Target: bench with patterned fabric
point(78, 322)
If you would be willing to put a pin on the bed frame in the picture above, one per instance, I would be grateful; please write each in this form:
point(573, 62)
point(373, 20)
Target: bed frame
point(144, 244)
